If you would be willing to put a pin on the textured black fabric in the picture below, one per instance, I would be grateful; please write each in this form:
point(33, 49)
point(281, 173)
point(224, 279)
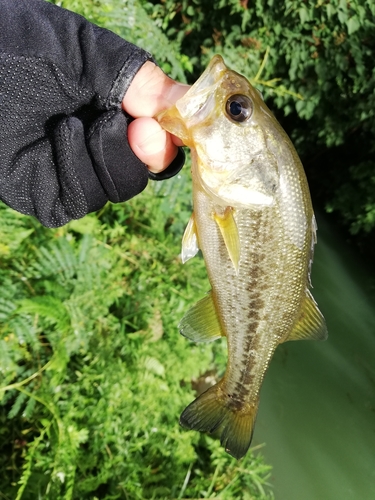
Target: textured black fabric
point(107, 145)
point(63, 147)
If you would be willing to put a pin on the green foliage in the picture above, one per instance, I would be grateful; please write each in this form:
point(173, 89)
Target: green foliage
point(320, 51)
point(129, 20)
point(94, 373)
point(357, 193)
point(313, 61)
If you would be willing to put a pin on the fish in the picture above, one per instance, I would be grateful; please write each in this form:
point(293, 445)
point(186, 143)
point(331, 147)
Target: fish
point(254, 223)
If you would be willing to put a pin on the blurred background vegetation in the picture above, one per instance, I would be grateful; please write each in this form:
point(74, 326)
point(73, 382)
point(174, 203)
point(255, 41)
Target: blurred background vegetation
point(93, 373)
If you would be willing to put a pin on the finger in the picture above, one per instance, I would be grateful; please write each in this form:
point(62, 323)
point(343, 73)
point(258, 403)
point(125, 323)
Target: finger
point(153, 145)
point(151, 91)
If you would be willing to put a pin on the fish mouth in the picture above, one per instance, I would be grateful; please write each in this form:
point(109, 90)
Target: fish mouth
point(196, 98)
point(216, 84)
point(203, 93)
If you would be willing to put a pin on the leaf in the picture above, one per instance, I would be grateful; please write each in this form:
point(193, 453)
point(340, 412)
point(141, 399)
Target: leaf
point(342, 15)
point(330, 9)
point(47, 307)
point(353, 25)
point(304, 15)
point(153, 365)
point(86, 225)
point(18, 404)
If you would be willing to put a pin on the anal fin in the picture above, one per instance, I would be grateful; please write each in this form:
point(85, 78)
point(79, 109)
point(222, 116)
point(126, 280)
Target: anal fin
point(311, 324)
point(201, 323)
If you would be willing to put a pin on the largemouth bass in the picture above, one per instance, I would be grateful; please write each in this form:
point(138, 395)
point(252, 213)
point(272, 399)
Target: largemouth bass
point(254, 223)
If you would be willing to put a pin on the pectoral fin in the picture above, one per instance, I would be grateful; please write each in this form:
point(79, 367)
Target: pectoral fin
point(311, 324)
point(229, 231)
point(201, 323)
point(189, 241)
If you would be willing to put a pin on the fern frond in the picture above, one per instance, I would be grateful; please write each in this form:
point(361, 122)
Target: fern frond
point(14, 230)
point(6, 309)
point(84, 249)
point(24, 329)
point(28, 463)
point(57, 259)
point(51, 309)
point(17, 405)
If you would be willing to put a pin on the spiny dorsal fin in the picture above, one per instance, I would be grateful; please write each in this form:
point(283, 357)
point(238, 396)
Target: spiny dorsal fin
point(189, 241)
point(311, 324)
point(201, 323)
point(229, 232)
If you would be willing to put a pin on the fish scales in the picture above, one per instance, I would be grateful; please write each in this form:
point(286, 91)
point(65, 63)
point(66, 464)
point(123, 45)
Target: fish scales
point(246, 301)
point(254, 223)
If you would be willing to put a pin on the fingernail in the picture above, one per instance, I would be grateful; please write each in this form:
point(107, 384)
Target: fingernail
point(154, 143)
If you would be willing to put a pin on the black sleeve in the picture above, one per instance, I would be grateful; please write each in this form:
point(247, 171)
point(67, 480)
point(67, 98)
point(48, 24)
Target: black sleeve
point(63, 146)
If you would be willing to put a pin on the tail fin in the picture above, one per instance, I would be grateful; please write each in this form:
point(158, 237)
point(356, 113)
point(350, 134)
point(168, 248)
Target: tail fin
point(216, 411)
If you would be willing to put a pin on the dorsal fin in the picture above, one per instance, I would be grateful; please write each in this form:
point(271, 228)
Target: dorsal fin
point(311, 324)
point(201, 323)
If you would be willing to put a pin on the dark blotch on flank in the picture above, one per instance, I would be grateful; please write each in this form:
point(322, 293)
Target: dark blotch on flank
point(254, 315)
point(255, 272)
point(256, 303)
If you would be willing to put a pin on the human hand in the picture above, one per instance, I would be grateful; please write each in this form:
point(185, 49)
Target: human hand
point(150, 92)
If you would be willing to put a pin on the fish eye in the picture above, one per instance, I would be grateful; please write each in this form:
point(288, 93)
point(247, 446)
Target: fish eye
point(239, 108)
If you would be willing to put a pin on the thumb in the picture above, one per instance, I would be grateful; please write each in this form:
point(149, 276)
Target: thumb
point(151, 91)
